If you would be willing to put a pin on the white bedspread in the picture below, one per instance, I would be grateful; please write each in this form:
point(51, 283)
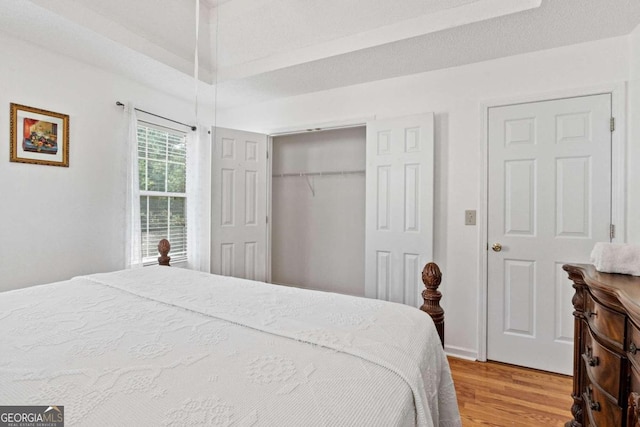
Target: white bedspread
point(166, 346)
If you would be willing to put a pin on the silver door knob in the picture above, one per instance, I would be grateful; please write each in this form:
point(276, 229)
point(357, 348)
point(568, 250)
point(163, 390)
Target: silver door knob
point(497, 247)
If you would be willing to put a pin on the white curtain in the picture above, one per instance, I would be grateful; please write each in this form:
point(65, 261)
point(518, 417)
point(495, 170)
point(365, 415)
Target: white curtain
point(199, 199)
point(133, 236)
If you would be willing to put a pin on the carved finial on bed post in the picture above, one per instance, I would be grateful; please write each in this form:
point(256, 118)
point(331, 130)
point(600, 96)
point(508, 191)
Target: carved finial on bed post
point(164, 247)
point(431, 277)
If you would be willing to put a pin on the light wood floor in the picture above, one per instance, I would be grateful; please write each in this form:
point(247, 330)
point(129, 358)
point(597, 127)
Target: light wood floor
point(496, 394)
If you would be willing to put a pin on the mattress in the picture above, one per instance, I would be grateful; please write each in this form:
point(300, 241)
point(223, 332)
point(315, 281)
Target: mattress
point(162, 346)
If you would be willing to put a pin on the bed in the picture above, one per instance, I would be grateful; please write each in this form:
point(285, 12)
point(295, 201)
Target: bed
point(163, 346)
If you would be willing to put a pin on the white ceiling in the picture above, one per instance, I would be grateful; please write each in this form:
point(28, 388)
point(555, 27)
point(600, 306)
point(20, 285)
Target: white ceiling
point(263, 49)
point(250, 30)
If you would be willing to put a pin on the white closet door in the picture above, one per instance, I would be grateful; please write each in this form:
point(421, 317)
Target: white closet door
point(239, 204)
point(399, 212)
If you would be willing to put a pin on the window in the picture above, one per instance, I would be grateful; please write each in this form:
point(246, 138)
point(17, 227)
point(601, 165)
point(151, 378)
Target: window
point(162, 170)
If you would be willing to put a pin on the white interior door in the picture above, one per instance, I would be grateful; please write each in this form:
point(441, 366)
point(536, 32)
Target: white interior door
point(399, 207)
point(239, 204)
point(549, 190)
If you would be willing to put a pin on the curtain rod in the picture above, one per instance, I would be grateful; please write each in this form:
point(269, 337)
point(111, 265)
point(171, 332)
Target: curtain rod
point(120, 104)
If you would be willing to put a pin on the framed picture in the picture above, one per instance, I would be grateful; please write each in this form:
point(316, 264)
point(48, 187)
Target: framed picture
point(39, 136)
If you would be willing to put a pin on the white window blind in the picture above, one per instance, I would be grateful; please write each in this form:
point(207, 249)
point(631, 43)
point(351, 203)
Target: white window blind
point(162, 165)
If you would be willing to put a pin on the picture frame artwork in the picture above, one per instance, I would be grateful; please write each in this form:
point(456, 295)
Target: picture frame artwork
point(38, 136)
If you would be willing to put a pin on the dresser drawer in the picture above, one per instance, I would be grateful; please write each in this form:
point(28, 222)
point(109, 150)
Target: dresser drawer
point(603, 366)
point(601, 411)
point(633, 343)
point(606, 323)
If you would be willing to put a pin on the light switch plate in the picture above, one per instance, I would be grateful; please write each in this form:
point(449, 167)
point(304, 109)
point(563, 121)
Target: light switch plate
point(470, 217)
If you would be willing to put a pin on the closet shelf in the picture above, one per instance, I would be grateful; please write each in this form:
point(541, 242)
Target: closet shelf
point(327, 173)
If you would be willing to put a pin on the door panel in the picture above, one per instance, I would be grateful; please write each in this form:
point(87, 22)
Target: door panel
point(239, 205)
point(399, 211)
point(549, 202)
point(519, 292)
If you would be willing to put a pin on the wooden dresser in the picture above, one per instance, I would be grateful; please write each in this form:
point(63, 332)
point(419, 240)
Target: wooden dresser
point(606, 359)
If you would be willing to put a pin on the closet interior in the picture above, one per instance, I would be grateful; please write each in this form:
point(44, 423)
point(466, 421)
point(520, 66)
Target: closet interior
point(318, 210)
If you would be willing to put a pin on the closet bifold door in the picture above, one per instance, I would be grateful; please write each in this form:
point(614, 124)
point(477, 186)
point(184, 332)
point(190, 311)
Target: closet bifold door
point(239, 204)
point(399, 206)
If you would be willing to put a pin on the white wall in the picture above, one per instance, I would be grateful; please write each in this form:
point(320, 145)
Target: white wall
point(633, 144)
point(318, 240)
point(60, 222)
point(455, 96)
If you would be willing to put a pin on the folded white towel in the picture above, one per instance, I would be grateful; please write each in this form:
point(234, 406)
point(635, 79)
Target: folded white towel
point(616, 258)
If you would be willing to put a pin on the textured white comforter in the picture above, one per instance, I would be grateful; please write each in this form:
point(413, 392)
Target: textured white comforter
point(166, 346)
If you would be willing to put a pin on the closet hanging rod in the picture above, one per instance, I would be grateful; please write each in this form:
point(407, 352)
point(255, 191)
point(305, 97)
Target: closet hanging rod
point(327, 173)
point(192, 127)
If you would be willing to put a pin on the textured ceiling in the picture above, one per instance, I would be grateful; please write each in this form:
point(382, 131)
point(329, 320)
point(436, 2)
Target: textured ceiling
point(163, 30)
point(253, 29)
point(167, 23)
point(268, 49)
point(556, 23)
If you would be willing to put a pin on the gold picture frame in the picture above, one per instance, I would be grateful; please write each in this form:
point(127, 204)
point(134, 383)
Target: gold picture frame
point(38, 136)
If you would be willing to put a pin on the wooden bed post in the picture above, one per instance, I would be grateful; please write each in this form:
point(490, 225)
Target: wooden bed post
point(164, 247)
point(431, 277)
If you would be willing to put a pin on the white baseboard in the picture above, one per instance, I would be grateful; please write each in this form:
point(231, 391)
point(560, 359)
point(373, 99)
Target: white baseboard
point(461, 352)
